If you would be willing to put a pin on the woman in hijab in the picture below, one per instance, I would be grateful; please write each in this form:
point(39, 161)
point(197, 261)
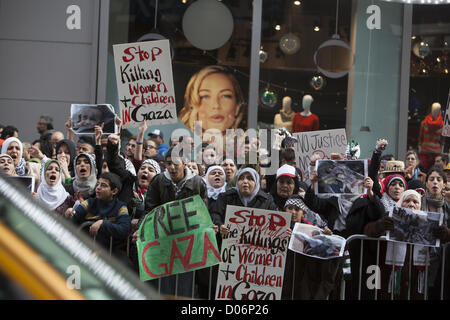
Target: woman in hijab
point(83, 185)
point(286, 184)
point(13, 147)
point(7, 165)
point(246, 193)
point(65, 154)
point(215, 183)
point(51, 191)
point(394, 257)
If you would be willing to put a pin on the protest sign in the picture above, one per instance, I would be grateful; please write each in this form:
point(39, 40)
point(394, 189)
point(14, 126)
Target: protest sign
point(176, 237)
point(25, 181)
point(86, 116)
point(253, 254)
point(145, 83)
point(446, 128)
point(311, 241)
point(322, 143)
point(341, 176)
point(414, 226)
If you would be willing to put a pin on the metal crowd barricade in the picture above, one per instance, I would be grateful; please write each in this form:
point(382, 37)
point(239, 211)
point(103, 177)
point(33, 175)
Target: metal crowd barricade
point(358, 276)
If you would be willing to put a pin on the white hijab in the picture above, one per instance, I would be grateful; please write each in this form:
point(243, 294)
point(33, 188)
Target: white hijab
point(21, 166)
point(214, 192)
point(51, 196)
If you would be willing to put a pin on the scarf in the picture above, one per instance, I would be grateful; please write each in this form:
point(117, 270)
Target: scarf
point(188, 174)
point(51, 196)
point(85, 186)
point(247, 199)
point(214, 192)
point(21, 166)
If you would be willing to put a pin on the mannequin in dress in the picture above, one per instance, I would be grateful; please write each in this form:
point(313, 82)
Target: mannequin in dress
point(284, 118)
point(430, 138)
point(305, 120)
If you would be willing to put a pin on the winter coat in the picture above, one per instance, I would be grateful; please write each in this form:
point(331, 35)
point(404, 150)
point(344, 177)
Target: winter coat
point(262, 200)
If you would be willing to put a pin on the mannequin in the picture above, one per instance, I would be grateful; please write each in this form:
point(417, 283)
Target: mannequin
point(305, 120)
point(284, 118)
point(430, 138)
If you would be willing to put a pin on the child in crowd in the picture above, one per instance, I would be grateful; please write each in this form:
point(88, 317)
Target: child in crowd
point(108, 214)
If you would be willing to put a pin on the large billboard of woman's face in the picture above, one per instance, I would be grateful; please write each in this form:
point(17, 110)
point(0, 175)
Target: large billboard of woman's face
point(214, 100)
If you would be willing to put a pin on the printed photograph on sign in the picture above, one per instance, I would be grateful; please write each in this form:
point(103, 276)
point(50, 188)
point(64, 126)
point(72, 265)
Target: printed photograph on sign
point(340, 177)
point(311, 241)
point(24, 181)
point(414, 226)
point(86, 116)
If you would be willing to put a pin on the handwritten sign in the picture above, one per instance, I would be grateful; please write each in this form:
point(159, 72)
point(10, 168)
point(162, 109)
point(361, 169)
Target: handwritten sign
point(253, 254)
point(145, 83)
point(323, 143)
point(176, 237)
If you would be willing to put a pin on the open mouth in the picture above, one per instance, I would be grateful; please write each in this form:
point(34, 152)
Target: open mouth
point(82, 171)
point(217, 118)
point(52, 178)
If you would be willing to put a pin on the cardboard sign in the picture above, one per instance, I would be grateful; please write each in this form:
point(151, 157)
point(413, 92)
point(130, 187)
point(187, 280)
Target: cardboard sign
point(145, 83)
point(25, 181)
point(86, 116)
point(253, 254)
point(323, 143)
point(176, 237)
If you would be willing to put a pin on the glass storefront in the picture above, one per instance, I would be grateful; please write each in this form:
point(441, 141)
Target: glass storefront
point(346, 54)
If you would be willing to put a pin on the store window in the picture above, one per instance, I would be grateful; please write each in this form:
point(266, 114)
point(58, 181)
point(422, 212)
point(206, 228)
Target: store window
point(429, 78)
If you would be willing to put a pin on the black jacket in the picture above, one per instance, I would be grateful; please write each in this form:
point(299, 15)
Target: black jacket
point(262, 200)
point(162, 190)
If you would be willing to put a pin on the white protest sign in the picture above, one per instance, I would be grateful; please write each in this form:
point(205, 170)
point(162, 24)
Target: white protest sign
point(145, 83)
point(446, 128)
point(253, 254)
point(323, 143)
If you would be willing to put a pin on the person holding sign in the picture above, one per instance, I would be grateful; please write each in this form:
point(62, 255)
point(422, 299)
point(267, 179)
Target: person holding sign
point(214, 97)
point(246, 193)
point(175, 183)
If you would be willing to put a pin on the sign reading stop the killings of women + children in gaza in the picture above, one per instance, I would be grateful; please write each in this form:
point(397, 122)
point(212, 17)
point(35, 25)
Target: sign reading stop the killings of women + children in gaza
point(176, 237)
point(253, 254)
point(145, 83)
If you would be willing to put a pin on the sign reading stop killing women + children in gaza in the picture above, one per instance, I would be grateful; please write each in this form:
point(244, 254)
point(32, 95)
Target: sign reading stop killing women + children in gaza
point(253, 254)
point(145, 83)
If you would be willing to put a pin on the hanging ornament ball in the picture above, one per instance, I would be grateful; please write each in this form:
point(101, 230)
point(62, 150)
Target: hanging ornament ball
point(207, 24)
point(317, 82)
point(269, 98)
point(290, 43)
point(421, 49)
point(263, 56)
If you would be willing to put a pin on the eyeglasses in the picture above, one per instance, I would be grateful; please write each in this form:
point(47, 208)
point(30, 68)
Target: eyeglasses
point(149, 147)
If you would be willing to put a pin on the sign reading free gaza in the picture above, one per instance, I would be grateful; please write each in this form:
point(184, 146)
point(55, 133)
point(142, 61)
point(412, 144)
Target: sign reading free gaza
point(176, 237)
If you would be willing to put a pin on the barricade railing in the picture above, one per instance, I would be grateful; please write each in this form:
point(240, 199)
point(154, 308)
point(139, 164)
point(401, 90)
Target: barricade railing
point(175, 279)
point(393, 284)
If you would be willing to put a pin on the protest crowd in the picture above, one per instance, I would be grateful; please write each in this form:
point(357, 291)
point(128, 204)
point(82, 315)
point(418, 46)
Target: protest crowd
point(92, 178)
